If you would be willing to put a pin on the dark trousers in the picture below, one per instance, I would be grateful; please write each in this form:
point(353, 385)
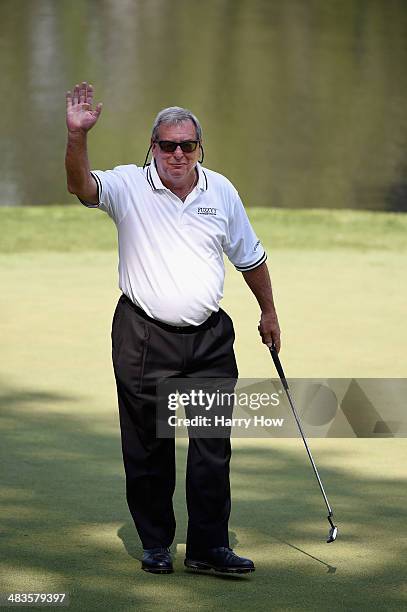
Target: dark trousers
point(143, 352)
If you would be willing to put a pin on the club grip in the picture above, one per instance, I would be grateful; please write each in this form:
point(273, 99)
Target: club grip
point(278, 365)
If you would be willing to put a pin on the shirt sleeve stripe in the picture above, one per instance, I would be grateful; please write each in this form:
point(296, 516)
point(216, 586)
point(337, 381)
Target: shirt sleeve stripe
point(99, 188)
point(253, 265)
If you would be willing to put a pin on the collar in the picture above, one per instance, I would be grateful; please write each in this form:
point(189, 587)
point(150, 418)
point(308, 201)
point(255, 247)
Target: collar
point(155, 182)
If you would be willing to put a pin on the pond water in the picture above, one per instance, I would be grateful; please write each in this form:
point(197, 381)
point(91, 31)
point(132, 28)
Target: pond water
point(302, 103)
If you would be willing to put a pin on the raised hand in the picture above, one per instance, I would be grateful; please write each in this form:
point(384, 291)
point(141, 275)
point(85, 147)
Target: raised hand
point(80, 116)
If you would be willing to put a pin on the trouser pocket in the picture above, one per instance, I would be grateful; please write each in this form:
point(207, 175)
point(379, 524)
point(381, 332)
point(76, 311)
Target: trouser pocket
point(130, 336)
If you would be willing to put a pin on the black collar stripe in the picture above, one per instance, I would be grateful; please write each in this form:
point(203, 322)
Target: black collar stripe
point(148, 177)
point(206, 181)
point(150, 180)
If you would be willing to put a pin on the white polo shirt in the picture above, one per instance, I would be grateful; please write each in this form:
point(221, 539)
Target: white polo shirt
point(171, 252)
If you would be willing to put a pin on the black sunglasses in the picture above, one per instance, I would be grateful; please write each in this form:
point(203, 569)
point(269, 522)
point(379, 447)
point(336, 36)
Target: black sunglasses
point(187, 146)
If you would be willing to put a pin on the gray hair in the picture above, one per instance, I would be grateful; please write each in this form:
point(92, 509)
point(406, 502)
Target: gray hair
point(174, 115)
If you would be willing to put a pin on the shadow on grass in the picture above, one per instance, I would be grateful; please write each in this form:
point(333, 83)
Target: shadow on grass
point(65, 521)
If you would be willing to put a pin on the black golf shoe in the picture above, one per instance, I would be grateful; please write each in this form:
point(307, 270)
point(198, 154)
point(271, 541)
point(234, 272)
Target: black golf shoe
point(220, 559)
point(157, 561)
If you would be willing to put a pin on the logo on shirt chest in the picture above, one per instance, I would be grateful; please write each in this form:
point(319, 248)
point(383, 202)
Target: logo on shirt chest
point(207, 211)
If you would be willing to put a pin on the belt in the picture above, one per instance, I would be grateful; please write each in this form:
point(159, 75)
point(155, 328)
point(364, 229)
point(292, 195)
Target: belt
point(178, 329)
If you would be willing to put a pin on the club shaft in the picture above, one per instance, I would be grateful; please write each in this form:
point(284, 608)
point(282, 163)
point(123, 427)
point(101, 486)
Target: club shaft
point(309, 452)
point(284, 382)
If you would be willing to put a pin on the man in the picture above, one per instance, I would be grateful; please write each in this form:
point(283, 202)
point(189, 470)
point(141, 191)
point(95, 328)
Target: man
point(174, 219)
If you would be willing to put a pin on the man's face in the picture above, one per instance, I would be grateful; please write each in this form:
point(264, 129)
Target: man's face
point(178, 167)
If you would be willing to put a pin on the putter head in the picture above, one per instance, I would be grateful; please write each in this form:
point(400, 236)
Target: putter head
point(333, 532)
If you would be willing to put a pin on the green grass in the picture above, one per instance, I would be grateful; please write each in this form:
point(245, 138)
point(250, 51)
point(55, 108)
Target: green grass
point(326, 229)
point(75, 228)
point(65, 525)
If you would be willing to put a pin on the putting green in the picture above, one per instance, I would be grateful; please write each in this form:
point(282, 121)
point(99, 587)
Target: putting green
point(65, 523)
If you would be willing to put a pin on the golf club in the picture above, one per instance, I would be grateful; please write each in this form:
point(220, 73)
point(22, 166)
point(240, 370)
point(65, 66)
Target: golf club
point(333, 532)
